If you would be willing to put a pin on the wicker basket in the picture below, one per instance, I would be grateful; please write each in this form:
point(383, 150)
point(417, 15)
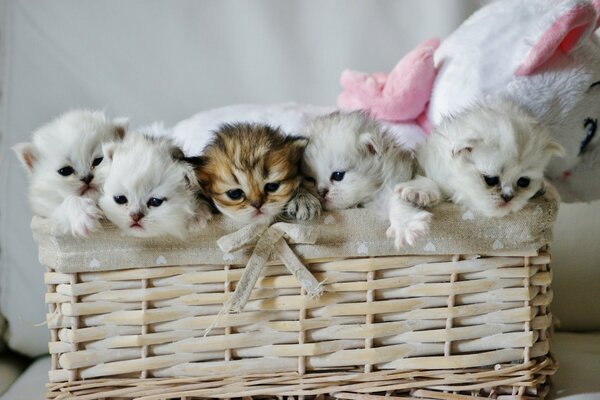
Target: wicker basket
point(463, 313)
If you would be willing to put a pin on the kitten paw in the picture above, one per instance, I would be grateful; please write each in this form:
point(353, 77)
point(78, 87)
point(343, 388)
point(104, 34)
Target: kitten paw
point(304, 206)
point(406, 232)
point(202, 216)
point(85, 217)
point(419, 196)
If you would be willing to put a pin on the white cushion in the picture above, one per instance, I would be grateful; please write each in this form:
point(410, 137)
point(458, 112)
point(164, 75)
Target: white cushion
point(32, 383)
point(578, 355)
point(11, 366)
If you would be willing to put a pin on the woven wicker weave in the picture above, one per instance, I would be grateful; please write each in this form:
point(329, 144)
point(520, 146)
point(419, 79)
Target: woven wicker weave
point(411, 326)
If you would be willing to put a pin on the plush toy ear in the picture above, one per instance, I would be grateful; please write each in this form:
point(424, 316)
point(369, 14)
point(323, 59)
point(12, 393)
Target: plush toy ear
point(555, 149)
point(108, 149)
point(27, 154)
point(369, 143)
point(572, 22)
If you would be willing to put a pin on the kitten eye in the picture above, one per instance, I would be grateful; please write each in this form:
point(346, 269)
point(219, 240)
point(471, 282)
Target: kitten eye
point(310, 179)
point(523, 182)
point(155, 202)
point(97, 161)
point(338, 176)
point(66, 171)
point(590, 125)
point(120, 199)
point(235, 194)
point(491, 180)
point(271, 187)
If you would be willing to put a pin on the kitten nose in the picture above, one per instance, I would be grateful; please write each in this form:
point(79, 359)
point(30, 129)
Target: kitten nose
point(257, 204)
point(87, 179)
point(323, 192)
point(507, 197)
point(136, 216)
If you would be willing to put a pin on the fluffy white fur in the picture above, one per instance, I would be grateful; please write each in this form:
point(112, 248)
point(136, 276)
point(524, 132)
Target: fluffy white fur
point(73, 140)
point(480, 59)
point(372, 165)
point(142, 168)
point(194, 133)
point(497, 140)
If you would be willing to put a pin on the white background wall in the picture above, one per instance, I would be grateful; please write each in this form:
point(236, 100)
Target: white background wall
point(166, 60)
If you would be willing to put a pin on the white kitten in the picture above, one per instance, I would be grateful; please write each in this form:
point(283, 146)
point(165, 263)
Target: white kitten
point(490, 159)
point(356, 162)
point(150, 190)
point(62, 161)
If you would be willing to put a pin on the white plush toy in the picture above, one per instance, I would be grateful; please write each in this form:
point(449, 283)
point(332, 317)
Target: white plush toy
point(544, 55)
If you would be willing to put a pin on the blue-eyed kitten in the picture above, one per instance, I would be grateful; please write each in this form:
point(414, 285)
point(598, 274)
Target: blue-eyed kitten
point(251, 172)
point(354, 161)
point(150, 190)
point(62, 162)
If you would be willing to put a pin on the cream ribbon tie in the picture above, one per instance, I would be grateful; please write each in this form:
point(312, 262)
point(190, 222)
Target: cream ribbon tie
point(269, 239)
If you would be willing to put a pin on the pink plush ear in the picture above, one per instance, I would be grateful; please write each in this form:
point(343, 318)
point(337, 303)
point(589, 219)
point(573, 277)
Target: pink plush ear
point(567, 31)
point(409, 85)
point(400, 96)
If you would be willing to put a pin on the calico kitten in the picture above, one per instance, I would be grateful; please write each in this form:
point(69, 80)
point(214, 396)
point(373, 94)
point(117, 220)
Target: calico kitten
point(62, 162)
point(354, 161)
point(150, 190)
point(251, 173)
point(490, 158)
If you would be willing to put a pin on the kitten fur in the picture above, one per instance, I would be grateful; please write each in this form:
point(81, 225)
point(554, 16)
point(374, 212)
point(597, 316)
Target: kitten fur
point(495, 139)
point(251, 173)
point(72, 144)
point(372, 166)
point(150, 190)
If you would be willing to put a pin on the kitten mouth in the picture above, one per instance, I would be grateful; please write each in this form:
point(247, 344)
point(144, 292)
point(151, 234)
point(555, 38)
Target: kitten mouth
point(136, 225)
point(86, 189)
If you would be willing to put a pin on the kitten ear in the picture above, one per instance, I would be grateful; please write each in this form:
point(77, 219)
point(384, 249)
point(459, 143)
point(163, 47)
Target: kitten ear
point(121, 125)
point(108, 149)
point(177, 154)
point(369, 143)
point(26, 153)
point(297, 144)
point(464, 148)
point(555, 149)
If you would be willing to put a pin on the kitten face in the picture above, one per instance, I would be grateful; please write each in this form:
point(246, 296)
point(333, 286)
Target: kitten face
point(148, 191)
point(343, 158)
point(499, 158)
point(251, 171)
point(64, 156)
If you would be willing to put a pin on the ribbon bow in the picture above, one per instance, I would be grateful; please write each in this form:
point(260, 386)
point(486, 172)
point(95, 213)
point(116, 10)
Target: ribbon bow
point(266, 240)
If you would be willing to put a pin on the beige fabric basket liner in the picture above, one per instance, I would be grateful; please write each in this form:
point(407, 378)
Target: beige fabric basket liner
point(347, 233)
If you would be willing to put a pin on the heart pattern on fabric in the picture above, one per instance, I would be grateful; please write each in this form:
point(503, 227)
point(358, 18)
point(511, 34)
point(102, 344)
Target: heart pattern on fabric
point(497, 245)
point(429, 247)
point(468, 216)
point(161, 260)
point(228, 257)
point(95, 263)
point(329, 220)
point(362, 248)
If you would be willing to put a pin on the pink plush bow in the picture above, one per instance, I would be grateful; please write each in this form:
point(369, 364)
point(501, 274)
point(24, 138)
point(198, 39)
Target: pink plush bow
point(402, 95)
